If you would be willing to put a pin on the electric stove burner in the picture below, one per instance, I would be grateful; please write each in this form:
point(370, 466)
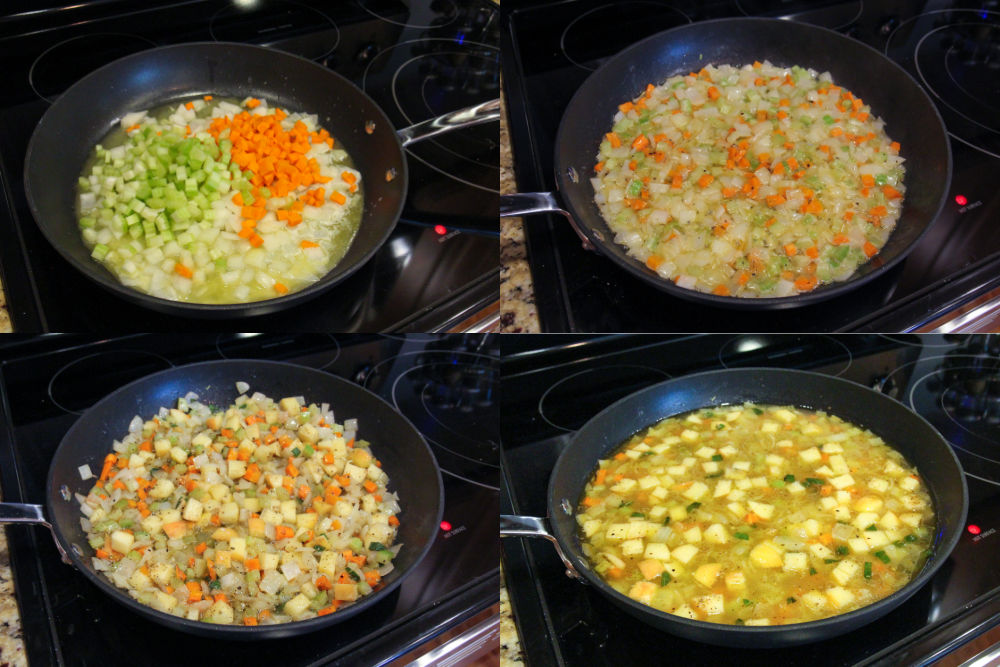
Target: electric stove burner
point(921, 340)
point(62, 65)
point(822, 353)
point(284, 25)
point(412, 13)
point(835, 15)
point(605, 30)
point(955, 54)
point(84, 381)
point(565, 406)
point(314, 350)
point(451, 397)
point(432, 77)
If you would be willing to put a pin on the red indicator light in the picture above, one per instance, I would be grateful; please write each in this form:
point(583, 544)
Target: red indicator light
point(446, 526)
point(961, 200)
point(441, 229)
point(974, 529)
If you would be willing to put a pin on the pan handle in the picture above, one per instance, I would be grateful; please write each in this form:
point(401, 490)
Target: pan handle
point(526, 203)
point(467, 117)
point(512, 525)
point(25, 513)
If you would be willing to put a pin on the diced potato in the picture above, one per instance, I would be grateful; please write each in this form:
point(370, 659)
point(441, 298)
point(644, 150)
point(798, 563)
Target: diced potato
point(889, 521)
point(687, 435)
point(843, 497)
point(706, 574)
point(229, 513)
point(875, 538)
point(839, 597)
point(161, 489)
point(812, 527)
point(591, 526)
point(722, 488)
point(857, 545)
point(911, 501)
point(712, 605)
point(152, 524)
point(624, 486)
point(178, 454)
point(893, 469)
point(841, 513)
point(162, 446)
point(224, 534)
point(358, 474)
point(658, 512)
point(121, 541)
point(763, 510)
point(238, 546)
point(192, 510)
point(759, 482)
point(632, 547)
point(684, 553)
point(673, 568)
point(832, 448)
point(696, 491)
point(811, 429)
point(648, 482)
point(842, 482)
point(908, 483)
point(865, 519)
point(733, 415)
point(838, 464)
point(766, 554)
point(821, 551)
point(811, 455)
point(693, 418)
point(910, 519)
point(716, 534)
point(795, 562)
point(824, 471)
point(161, 573)
point(705, 452)
point(236, 468)
point(650, 568)
point(736, 581)
point(795, 488)
point(828, 503)
point(741, 465)
point(223, 558)
point(659, 493)
point(737, 509)
point(686, 612)
point(139, 580)
point(775, 460)
point(271, 517)
point(880, 485)
point(638, 529)
point(346, 592)
point(710, 467)
point(290, 405)
point(657, 550)
point(677, 470)
point(814, 600)
point(770, 427)
point(288, 510)
point(297, 606)
point(170, 516)
point(844, 571)
point(784, 415)
point(163, 602)
point(728, 450)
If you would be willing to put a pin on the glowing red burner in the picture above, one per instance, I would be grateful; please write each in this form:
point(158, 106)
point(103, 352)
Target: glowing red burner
point(446, 526)
point(974, 529)
point(440, 229)
point(961, 200)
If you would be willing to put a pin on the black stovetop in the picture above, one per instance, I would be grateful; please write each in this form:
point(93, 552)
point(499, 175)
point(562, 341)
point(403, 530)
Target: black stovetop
point(551, 391)
point(415, 59)
point(548, 51)
point(45, 383)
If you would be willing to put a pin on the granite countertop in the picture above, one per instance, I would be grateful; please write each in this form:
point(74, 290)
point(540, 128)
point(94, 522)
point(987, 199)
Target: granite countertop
point(517, 299)
point(510, 644)
point(11, 645)
point(5, 326)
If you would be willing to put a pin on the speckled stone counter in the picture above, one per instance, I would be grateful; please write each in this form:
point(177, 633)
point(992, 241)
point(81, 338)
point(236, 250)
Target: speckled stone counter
point(11, 646)
point(517, 299)
point(5, 326)
point(510, 644)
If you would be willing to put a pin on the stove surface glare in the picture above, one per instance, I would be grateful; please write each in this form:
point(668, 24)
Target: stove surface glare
point(587, 42)
point(828, 13)
point(288, 26)
point(65, 63)
point(784, 351)
point(955, 54)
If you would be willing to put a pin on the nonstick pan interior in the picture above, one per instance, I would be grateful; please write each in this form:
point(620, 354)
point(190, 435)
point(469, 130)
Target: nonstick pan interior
point(406, 458)
point(85, 113)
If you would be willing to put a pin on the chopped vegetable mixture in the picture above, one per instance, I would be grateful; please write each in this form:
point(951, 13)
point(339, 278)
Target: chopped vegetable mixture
point(757, 181)
point(209, 201)
point(756, 515)
point(260, 513)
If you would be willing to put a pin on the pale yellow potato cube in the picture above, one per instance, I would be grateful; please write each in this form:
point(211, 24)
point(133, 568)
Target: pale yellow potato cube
point(152, 524)
point(162, 446)
point(710, 467)
point(358, 474)
point(811, 429)
point(737, 509)
point(728, 450)
point(161, 573)
point(828, 502)
point(766, 554)
point(192, 510)
point(770, 427)
point(786, 416)
point(271, 517)
point(659, 493)
point(178, 454)
point(775, 460)
point(685, 611)
point(139, 580)
point(674, 569)
point(722, 488)
point(238, 547)
point(687, 435)
point(624, 486)
point(684, 553)
point(677, 470)
point(844, 571)
point(821, 551)
point(224, 534)
point(832, 448)
point(716, 534)
point(733, 416)
point(288, 510)
point(648, 482)
point(839, 596)
point(824, 471)
point(795, 562)
point(632, 547)
point(236, 468)
point(758, 621)
point(758, 482)
point(678, 513)
point(843, 497)
point(693, 419)
point(842, 482)
point(814, 600)
point(865, 519)
point(878, 484)
point(638, 528)
point(812, 527)
point(736, 581)
point(170, 515)
point(692, 535)
point(893, 469)
point(875, 538)
point(658, 512)
point(163, 602)
point(657, 550)
point(912, 501)
point(841, 513)
point(763, 510)
point(591, 526)
point(858, 545)
point(705, 452)
point(290, 405)
point(908, 483)
point(269, 561)
point(811, 455)
point(616, 532)
point(838, 464)
point(327, 564)
point(707, 574)
point(297, 606)
point(274, 480)
point(696, 491)
point(737, 495)
point(795, 488)
point(712, 605)
point(741, 465)
point(122, 541)
point(889, 521)
point(911, 519)
point(161, 489)
point(223, 557)
point(306, 520)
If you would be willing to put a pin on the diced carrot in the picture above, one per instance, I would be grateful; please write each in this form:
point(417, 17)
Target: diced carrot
point(870, 249)
point(370, 486)
point(393, 521)
point(705, 180)
point(840, 239)
point(654, 261)
point(891, 192)
point(713, 93)
point(175, 529)
point(790, 249)
point(283, 532)
point(200, 549)
point(182, 270)
point(640, 143)
point(251, 564)
point(867, 180)
point(252, 473)
point(721, 290)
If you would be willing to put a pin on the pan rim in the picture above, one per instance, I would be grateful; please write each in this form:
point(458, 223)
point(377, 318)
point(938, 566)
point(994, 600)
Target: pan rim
point(99, 274)
point(238, 632)
point(823, 292)
point(740, 633)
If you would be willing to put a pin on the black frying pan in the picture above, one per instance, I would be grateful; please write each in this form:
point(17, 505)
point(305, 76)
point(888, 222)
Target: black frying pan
point(85, 113)
point(903, 429)
point(406, 458)
point(910, 116)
